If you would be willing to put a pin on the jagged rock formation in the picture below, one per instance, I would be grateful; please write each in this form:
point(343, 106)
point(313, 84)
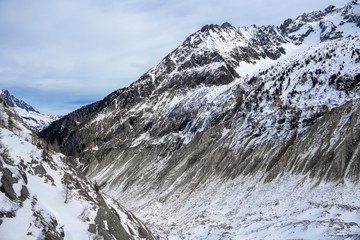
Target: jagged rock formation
point(234, 110)
point(43, 196)
point(34, 119)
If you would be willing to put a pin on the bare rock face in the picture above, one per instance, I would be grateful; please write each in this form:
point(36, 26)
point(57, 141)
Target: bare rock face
point(203, 122)
point(333, 139)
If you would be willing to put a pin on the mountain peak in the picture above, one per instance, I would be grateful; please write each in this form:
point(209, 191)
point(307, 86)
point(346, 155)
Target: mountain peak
point(12, 101)
point(226, 25)
point(34, 119)
point(207, 27)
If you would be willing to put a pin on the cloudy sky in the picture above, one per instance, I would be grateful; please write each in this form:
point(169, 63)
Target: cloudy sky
point(58, 55)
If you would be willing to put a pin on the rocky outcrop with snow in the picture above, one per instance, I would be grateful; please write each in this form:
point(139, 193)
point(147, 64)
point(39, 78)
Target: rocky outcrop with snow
point(34, 119)
point(42, 196)
point(247, 132)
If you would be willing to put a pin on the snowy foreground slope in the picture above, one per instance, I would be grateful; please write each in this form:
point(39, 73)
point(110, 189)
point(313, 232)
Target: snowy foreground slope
point(239, 133)
point(43, 197)
point(34, 119)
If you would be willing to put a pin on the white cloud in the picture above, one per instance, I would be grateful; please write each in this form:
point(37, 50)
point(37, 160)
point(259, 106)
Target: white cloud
point(95, 47)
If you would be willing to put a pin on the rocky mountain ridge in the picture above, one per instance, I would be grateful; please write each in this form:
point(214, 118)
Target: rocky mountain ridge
point(34, 119)
point(234, 109)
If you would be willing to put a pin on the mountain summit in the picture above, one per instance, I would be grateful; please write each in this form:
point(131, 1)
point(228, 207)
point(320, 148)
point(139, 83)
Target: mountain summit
point(239, 133)
point(34, 119)
point(12, 101)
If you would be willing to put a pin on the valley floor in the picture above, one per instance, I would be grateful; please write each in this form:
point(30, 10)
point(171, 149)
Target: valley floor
point(287, 208)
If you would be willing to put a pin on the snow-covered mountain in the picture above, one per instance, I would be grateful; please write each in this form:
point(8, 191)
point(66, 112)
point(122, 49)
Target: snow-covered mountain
point(42, 196)
point(34, 119)
point(239, 133)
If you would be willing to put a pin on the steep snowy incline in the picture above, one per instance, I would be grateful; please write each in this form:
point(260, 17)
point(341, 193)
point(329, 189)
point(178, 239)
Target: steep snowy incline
point(34, 119)
point(235, 110)
point(43, 197)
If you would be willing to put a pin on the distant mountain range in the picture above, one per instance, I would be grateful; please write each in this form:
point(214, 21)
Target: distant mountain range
point(34, 119)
